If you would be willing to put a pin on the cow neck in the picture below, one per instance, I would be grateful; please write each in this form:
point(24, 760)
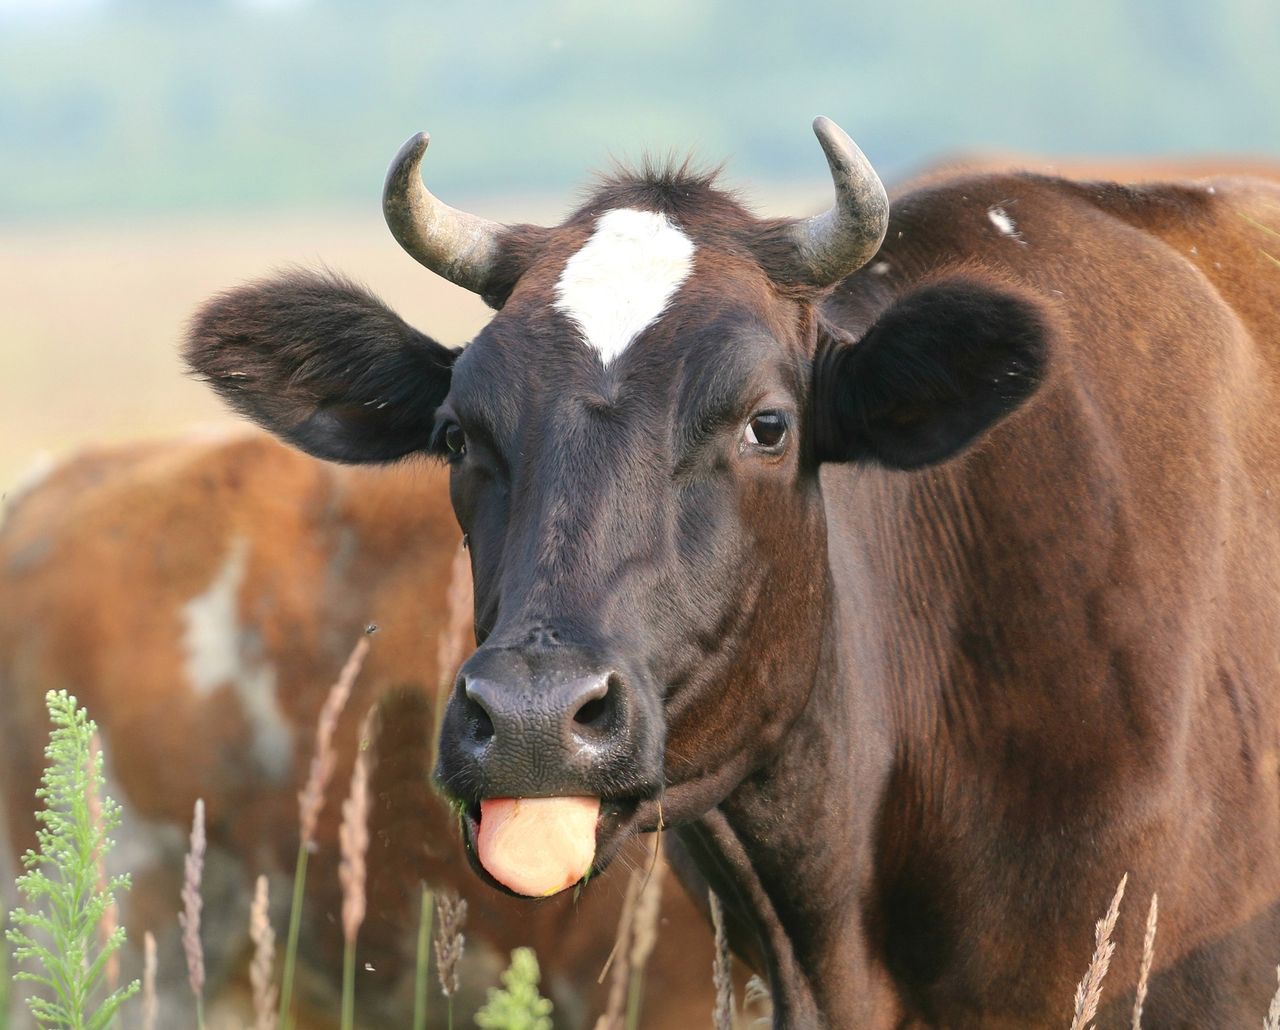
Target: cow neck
point(788, 853)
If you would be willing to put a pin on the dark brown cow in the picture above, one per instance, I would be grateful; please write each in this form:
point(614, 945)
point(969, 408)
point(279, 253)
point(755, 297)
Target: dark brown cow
point(199, 596)
point(924, 586)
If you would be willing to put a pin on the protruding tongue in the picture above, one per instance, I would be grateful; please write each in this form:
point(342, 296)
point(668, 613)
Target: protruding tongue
point(537, 846)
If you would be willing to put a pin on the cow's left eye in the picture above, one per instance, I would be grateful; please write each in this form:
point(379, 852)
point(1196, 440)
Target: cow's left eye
point(455, 439)
point(766, 430)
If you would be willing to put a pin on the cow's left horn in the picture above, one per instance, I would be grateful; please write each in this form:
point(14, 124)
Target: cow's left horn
point(838, 242)
point(459, 246)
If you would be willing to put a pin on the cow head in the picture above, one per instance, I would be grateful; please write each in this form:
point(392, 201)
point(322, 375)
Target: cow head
point(634, 440)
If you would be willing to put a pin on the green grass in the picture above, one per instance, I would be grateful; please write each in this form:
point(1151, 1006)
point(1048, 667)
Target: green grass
point(57, 933)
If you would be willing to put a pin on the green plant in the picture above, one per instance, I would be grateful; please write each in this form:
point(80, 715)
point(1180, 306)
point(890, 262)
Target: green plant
point(517, 1005)
point(61, 885)
point(423, 961)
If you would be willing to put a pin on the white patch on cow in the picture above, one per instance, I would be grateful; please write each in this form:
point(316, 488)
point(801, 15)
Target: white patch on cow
point(37, 471)
point(879, 268)
point(622, 279)
point(1001, 220)
point(219, 653)
point(1004, 224)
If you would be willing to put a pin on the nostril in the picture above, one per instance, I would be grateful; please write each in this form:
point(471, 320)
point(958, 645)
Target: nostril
point(481, 725)
point(596, 713)
point(592, 712)
point(478, 721)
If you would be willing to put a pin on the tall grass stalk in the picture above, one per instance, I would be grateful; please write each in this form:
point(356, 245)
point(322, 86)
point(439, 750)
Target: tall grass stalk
point(450, 942)
point(644, 936)
point(423, 961)
point(150, 1004)
point(262, 967)
point(1148, 957)
point(353, 840)
point(722, 1015)
point(189, 917)
point(617, 965)
point(1089, 992)
point(310, 802)
point(58, 933)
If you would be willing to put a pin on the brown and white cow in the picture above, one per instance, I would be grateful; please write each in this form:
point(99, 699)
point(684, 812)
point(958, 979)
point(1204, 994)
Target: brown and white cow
point(922, 568)
point(199, 595)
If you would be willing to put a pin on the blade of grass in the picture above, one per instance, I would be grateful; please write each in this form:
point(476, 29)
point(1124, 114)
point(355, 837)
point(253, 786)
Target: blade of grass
point(423, 964)
point(291, 944)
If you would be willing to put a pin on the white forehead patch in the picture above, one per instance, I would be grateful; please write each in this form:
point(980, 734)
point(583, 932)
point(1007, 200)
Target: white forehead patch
point(622, 279)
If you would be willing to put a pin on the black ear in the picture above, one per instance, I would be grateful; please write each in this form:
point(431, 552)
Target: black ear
point(324, 364)
point(941, 366)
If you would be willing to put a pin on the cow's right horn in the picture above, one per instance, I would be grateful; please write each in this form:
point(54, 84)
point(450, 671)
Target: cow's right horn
point(462, 247)
point(827, 247)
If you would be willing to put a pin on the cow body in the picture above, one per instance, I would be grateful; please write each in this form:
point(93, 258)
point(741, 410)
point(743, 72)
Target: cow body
point(1054, 660)
point(923, 600)
point(199, 596)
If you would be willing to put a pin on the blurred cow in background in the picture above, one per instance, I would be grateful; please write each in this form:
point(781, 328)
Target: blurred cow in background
point(199, 597)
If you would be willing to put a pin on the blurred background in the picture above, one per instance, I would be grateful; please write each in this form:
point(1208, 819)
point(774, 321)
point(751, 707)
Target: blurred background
point(153, 151)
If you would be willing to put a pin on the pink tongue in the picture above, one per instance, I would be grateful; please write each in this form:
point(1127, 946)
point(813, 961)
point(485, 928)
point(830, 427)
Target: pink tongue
point(537, 846)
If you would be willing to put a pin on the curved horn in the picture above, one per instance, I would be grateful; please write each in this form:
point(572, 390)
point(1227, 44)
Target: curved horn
point(841, 240)
point(459, 246)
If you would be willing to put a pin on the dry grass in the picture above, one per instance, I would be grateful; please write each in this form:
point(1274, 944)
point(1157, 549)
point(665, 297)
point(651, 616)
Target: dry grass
point(262, 968)
point(450, 940)
point(722, 972)
point(150, 1004)
point(618, 964)
point(324, 758)
point(189, 917)
point(353, 838)
point(1148, 957)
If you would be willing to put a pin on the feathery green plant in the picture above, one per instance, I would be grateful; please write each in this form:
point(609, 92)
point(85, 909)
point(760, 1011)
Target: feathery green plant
point(517, 1005)
point(61, 882)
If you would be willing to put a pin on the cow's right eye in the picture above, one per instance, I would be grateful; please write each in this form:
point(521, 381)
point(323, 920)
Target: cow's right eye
point(455, 440)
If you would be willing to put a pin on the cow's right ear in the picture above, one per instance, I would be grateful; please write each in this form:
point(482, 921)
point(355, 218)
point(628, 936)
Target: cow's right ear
point(324, 364)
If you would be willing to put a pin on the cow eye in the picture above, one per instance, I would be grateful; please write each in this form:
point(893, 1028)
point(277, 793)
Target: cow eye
point(766, 430)
point(455, 440)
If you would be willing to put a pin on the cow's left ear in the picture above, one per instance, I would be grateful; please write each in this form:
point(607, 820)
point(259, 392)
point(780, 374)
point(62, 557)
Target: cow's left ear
point(941, 366)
